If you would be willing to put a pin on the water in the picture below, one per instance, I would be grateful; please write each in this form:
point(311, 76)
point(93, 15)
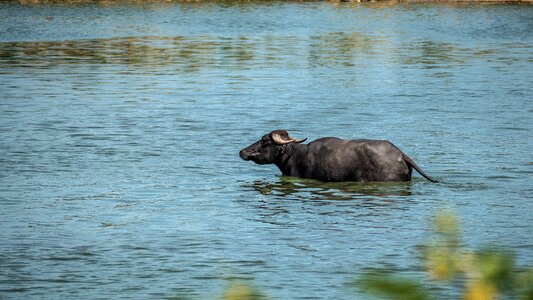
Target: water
point(120, 127)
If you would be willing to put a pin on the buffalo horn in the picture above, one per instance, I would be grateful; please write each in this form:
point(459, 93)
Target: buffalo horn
point(276, 137)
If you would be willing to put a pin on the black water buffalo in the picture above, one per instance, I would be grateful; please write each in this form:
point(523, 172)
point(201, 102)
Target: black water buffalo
point(333, 159)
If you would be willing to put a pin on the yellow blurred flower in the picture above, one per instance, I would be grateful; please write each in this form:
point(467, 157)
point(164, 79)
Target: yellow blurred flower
point(478, 290)
point(240, 291)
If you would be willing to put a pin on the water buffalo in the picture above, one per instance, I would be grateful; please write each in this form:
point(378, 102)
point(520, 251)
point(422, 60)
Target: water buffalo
point(333, 159)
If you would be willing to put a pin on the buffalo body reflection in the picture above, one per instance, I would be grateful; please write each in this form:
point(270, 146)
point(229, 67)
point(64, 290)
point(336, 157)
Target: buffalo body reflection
point(318, 190)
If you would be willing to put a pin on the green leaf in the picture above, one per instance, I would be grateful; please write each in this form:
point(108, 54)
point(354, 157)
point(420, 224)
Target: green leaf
point(385, 285)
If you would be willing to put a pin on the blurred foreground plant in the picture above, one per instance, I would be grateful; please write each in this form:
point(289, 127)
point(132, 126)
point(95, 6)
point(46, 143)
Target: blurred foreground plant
point(486, 274)
point(242, 291)
point(489, 273)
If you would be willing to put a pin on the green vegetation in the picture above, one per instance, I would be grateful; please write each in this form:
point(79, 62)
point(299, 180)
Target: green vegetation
point(485, 274)
point(242, 291)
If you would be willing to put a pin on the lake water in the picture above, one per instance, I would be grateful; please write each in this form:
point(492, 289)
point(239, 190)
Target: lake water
point(120, 127)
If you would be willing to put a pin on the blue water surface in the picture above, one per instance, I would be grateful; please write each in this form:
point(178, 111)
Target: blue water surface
point(120, 127)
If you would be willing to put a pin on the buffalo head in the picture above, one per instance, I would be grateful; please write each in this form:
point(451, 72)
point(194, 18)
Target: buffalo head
point(269, 148)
